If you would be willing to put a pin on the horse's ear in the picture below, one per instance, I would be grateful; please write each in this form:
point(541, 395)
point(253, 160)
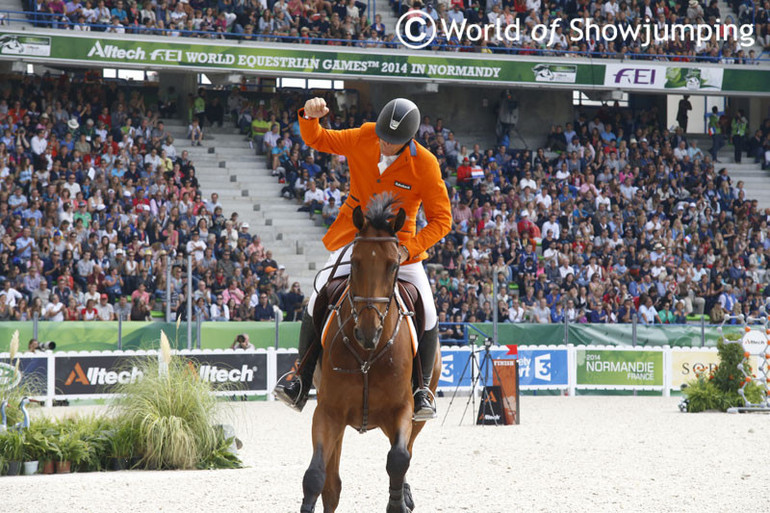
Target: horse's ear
point(398, 222)
point(358, 218)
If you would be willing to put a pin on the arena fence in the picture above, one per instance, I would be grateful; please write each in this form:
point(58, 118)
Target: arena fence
point(568, 368)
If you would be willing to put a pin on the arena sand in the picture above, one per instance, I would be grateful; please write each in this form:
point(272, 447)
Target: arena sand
point(581, 454)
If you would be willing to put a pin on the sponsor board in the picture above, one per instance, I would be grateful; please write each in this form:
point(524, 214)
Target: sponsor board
point(538, 368)
point(32, 372)
point(88, 375)
point(559, 73)
point(654, 76)
point(10, 377)
point(506, 376)
point(157, 53)
point(621, 368)
point(491, 410)
point(686, 364)
point(33, 46)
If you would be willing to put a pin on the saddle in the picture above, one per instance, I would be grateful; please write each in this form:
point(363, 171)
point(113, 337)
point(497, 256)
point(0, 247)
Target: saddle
point(331, 293)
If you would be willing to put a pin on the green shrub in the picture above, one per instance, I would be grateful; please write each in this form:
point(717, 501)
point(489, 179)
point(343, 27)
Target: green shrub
point(719, 390)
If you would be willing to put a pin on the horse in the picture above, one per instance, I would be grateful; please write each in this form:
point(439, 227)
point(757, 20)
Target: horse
point(365, 377)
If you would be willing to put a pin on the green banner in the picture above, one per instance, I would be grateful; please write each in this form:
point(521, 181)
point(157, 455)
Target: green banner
point(521, 334)
point(103, 336)
point(606, 367)
point(292, 59)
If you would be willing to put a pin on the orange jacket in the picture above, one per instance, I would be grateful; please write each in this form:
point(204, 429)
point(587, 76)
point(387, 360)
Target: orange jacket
point(414, 177)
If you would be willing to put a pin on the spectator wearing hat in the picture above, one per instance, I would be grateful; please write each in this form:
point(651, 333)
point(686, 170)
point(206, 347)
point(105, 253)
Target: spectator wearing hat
point(196, 247)
point(106, 311)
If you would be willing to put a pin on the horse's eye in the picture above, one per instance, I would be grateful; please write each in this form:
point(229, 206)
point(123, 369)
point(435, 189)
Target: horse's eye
point(393, 267)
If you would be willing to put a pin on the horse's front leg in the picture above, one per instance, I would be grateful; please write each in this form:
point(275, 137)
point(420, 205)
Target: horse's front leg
point(398, 459)
point(327, 434)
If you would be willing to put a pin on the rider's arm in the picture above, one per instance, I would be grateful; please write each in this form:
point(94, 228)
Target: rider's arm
point(438, 211)
point(339, 142)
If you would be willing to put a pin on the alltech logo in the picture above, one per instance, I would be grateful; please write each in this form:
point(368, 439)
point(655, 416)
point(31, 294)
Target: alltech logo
point(214, 374)
point(102, 376)
point(98, 374)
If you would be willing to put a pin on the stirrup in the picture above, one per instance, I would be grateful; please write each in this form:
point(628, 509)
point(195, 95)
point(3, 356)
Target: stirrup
point(425, 413)
point(295, 403)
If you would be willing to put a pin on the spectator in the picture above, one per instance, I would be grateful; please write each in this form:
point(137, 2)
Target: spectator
point(263, 311)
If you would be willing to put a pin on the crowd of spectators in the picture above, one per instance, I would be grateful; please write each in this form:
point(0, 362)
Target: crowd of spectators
point(347, 23)
point(94, 195)
point(614, 219)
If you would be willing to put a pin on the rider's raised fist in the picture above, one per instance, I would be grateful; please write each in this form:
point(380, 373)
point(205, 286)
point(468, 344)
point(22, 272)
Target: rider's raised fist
point(316, 108)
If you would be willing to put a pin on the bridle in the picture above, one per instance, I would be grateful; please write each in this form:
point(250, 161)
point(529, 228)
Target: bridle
point(373, 355)
point(372, 302)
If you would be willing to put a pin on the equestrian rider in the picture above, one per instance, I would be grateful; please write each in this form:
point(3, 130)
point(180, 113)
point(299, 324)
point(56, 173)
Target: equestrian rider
point(383, 158)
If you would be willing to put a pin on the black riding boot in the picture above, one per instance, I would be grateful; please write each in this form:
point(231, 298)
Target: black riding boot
point(424, 403)
point(294, 393)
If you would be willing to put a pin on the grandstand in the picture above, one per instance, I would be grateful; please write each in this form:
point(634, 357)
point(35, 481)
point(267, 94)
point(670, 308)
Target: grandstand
point(638, 219)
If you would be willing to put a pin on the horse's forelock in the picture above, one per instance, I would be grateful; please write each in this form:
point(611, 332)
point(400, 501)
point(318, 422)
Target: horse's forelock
point(381, 210)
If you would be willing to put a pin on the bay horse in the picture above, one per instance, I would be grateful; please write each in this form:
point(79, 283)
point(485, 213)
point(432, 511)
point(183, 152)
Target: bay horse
point(366, 366)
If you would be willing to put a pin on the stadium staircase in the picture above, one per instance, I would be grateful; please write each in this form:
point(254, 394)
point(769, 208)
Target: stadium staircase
point(226, 165)
point(14, 6)
point(382, 7)
point(756, 180)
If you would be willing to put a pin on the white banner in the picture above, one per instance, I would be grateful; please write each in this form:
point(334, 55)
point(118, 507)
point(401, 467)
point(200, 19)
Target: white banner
point(640, 75)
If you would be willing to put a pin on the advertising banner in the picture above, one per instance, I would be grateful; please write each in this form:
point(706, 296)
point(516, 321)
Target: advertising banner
point(538, 368)
point(97, 374)
point(631, 368)
point(224, 56)
point(491, 411)
point(506, 376)
point(640, 75)
point(685, 364)
point(31, 373)
point(319, 61)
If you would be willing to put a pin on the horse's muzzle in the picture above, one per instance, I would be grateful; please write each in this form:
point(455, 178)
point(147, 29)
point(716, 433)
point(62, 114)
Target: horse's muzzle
point(368, 339)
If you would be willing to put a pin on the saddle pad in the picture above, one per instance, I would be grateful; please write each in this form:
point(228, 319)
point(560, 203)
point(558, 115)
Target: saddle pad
point(401, 305)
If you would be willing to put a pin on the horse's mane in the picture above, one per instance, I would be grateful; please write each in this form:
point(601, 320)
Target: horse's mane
point(380, 210)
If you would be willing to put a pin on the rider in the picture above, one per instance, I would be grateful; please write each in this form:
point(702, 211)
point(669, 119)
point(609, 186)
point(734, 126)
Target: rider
point(383, 157)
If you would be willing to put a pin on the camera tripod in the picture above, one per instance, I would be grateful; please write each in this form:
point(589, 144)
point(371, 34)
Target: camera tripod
point(478, 369)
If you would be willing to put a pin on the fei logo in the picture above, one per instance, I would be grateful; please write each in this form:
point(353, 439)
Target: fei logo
point(447, 368)
point(635, 76)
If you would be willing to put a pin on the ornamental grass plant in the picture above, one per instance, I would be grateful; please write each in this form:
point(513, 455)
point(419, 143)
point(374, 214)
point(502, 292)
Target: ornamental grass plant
point(171, 412)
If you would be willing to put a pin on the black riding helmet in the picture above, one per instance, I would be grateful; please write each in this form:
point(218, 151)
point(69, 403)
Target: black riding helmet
point(398, 121)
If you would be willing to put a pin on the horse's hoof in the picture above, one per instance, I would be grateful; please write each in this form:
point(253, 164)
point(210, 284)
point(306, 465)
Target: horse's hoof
point(306, 509)
point(408, 500)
